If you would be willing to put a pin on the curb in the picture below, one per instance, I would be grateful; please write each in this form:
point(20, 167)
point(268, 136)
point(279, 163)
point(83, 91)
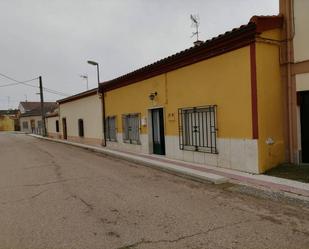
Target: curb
point(176, 170)
point(195, 174)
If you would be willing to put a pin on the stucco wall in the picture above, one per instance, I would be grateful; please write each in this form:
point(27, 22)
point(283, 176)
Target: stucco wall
point(301, 39)
point(89, 109)
point(51, 127)
point(224, 81)
point(28, 119)
point(6, 123)
point(270, 104)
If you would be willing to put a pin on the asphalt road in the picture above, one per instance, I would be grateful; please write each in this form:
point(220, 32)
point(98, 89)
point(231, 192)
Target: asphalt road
point(61, 197)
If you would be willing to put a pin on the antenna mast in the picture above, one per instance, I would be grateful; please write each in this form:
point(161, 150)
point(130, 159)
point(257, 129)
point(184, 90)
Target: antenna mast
point(195, 24)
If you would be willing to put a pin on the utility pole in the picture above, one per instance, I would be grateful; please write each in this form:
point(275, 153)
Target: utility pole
point(42, 108)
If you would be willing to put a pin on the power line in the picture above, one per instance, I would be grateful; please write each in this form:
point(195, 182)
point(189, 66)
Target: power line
point(25, 83)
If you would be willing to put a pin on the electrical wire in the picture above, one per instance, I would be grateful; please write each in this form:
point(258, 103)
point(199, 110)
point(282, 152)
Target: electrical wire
point(26, 84)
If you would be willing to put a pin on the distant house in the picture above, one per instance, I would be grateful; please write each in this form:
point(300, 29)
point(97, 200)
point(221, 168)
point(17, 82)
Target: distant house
point(30, 115)
point(9, 120)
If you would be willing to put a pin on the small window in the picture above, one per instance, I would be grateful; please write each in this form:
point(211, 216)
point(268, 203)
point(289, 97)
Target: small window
point(25, 125)
point(57, 125)
point(81, 127)
point(131, 128)
point(111, 130)
point(39, 124)
point(198, 129)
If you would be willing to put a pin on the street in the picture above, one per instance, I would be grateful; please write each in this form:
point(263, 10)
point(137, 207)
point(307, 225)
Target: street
point(58, 196)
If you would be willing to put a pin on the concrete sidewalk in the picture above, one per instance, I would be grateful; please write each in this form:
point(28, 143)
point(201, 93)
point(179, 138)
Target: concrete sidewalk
point(202, 172)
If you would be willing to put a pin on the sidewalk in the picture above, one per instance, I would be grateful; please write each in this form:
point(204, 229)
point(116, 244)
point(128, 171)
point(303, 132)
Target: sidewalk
point(201, 172)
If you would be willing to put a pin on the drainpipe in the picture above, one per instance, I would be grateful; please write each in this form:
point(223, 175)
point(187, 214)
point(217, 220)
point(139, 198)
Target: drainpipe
point(103, 115)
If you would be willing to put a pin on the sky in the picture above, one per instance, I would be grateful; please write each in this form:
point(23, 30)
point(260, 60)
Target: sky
point(55, 38)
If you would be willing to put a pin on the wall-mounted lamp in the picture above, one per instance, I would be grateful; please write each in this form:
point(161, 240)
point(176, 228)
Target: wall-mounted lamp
point(153, 95)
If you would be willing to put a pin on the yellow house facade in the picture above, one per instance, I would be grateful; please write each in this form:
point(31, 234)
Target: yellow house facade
point(219, 103)
point(7, 122)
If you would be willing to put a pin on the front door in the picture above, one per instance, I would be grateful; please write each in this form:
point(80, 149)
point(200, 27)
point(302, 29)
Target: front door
point(64, 128)
point(304, 120)
point(158, 131)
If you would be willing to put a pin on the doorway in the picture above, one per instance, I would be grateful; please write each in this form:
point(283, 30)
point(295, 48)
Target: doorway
point(158, 138)
point(64, 128)
point(304, 122)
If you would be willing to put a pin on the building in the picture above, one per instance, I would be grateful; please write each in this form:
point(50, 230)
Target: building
point(80, 118)
point(219, 103)
point(31, 116)
point(9, 120)
point(295, 73)
point(52, 124)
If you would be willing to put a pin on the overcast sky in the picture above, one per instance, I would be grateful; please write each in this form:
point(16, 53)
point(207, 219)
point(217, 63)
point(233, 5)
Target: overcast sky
point(55, 38)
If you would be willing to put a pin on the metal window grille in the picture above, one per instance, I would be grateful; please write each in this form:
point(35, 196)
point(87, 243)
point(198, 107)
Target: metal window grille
point(131, 128)
point(111, 128)
point(80, 127)
point(25, 125)
point(198, 129)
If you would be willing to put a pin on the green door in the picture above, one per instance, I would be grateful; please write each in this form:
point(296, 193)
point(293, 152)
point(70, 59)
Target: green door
point(158, 131)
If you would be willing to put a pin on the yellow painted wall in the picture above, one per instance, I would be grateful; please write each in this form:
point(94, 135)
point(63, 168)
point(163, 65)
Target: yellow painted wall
point(6, 123)
point(223, 80)
point(270, 106)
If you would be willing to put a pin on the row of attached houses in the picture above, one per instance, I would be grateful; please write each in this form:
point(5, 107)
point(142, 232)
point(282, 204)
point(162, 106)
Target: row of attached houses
point(222, 103)
point(30, 115)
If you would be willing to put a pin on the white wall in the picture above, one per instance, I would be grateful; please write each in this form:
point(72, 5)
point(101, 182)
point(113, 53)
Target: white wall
point(28, 119)
point(90, 110)
point(301, 39)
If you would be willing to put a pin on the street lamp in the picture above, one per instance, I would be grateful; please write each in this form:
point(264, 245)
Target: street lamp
point(103, 101)
point(93, 63)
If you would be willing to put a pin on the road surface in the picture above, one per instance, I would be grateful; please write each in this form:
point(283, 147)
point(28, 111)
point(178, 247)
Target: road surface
point(56, 196)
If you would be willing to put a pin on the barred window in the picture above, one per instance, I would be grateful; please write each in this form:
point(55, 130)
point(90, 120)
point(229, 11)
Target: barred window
point(25, 125)
point(131, 128)
point(197, 129)
point(80, 127)
point(39, 124)
point(111, 130)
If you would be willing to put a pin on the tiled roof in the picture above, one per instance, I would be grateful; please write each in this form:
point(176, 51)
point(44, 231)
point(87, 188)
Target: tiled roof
point(222, 43)
point(36, 108)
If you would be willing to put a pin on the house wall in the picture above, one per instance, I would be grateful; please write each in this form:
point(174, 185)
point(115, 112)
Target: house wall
point(90, 110)
point(270, 91)
point(28, 119)
point(6, 123)
point(301, 38)
point(51, 127)
point(224, 80)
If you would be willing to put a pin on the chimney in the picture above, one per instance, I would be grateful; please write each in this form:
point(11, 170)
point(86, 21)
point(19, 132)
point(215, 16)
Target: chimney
point(198, 43)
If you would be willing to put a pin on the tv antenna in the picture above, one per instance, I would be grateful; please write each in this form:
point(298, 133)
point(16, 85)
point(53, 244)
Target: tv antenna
point(195, 24)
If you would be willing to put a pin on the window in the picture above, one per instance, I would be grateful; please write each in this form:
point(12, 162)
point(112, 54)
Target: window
point(111, 130)
point(40, 124)
point(25, 125)
point(57, 125)
point(80, 127)
point(131, 128)
point(197, 129)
